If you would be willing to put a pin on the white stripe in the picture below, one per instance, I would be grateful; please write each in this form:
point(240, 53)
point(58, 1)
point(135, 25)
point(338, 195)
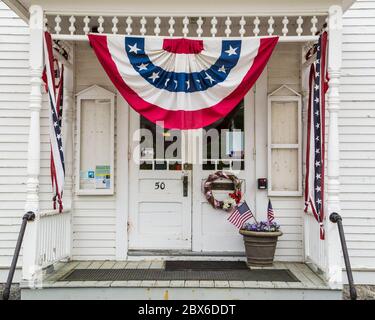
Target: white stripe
point(181, 62)
point(181, 100)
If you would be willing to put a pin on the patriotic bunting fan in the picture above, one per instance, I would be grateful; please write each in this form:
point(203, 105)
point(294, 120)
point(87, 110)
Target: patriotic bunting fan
point(185, 83)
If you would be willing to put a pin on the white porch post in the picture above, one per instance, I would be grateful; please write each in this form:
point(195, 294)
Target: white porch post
point(68, 134)
point(33, 164)
point(333, 249)
point(68, 118)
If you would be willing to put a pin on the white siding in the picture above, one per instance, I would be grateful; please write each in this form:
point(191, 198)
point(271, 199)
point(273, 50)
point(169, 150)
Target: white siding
point(357, 133)
point(14, 120)
point(284, 68)
point(94, 217)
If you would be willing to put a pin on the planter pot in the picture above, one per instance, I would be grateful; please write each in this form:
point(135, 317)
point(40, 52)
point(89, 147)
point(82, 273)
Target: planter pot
point(260, 247)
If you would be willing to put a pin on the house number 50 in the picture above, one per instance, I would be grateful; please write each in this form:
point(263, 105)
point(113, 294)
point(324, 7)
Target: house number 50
point(159, 185)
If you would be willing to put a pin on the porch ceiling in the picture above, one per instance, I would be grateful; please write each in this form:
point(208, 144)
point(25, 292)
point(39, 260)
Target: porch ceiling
point(170, 6)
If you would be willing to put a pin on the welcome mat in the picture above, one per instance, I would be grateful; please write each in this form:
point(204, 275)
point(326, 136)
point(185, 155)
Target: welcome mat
point(205, 265)
point(158, 274)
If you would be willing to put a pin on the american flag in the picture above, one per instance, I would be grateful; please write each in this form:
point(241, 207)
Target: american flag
point(55, 95)
point(314, 186)
point(270, 212)
point(240, 215)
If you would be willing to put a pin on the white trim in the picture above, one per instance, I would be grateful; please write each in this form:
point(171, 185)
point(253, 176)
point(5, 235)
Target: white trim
point(293, 98)
point(282, 39)
point(92, 93)
point(122, 178)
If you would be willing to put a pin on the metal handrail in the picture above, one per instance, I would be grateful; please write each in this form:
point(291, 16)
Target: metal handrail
point(336, 218)
point(29, 216)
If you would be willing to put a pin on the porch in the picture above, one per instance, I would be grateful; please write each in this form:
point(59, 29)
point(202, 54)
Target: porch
point(63, 282)
point(109, 216)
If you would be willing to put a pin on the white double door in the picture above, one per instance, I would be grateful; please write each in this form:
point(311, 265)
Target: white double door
point(167, 208)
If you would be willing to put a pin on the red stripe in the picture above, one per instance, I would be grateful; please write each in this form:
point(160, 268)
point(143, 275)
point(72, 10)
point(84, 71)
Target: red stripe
point(181, 119)
point(183, 46)
point(49, 48)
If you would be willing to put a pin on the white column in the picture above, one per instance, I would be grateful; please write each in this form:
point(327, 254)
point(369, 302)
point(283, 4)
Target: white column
point(68, 117)
point(33, 163)
point(332, 242)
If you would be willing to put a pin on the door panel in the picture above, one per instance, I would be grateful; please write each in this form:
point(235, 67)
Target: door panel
point(160, 202)
point(211, 230)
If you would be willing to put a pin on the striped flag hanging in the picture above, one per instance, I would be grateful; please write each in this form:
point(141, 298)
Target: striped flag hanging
point(315, 149)
point(240, 215)
point(54, 80)
point(270, 212)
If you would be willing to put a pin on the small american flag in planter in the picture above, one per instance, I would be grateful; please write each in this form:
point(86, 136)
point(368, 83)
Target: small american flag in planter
point(270, 212)
point(240, 215)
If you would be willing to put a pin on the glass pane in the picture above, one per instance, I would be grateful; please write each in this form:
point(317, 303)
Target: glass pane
point(284, 124)
point(159, 144)
point(284, 169)
point(224, 142)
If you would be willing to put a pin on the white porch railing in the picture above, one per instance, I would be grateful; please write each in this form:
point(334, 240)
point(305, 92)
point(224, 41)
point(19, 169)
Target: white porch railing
point(314, 247)
point(53, 243)
point(290, 28)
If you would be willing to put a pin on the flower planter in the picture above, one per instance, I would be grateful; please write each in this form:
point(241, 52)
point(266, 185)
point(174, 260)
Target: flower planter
point(260, 247)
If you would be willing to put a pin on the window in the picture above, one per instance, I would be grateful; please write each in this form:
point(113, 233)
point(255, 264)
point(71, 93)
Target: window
point(284, 143)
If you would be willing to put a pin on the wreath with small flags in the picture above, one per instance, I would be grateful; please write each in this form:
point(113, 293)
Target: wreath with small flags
point(234, 197)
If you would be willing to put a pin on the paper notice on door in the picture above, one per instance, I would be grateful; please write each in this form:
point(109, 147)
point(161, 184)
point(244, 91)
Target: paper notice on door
point(103, 177)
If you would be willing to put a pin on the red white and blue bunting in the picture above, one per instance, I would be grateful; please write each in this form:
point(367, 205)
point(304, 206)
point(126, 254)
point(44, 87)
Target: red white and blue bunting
point(184, 83)
point(315, 147)
point(54, 81)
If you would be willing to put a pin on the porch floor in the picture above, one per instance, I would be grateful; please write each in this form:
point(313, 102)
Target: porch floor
point(309, 286)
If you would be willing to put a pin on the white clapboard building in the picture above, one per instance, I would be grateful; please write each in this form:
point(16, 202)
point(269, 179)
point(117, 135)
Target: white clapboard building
point(152, 211)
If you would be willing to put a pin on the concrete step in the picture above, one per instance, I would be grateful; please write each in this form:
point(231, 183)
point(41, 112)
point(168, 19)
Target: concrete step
point(200, 290)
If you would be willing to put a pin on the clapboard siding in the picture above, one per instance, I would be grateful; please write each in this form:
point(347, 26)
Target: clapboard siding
point(357, 133)
point(94, 217)
point(285, 68)
point(14, 121)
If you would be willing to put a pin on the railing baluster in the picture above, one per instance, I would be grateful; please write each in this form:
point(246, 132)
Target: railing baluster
point(45, 23)
point(270, 29)
point(171, 26)
point(115, 22)
point(242, 26)
point(299, 28)
point(143, 29)
point(314, 22)
point(101, 22)
point(228, 23)
point(256, 26)
point(185, 29)
point(72, 28)
point(157, 22)
point(58, 27)
point(86, 28)
point(199, 29)
point(285, 29)
point(213, 28)
point(129, 22)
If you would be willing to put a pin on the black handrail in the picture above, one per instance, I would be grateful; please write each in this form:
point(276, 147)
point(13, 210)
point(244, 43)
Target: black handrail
point(336, 218)
point(29, 216)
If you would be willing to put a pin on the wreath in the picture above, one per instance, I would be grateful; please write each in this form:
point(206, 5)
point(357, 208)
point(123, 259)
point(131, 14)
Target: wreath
point(234, 198)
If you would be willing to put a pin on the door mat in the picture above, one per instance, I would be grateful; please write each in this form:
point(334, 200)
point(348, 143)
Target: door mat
point(205, 265)
point(158, 274)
